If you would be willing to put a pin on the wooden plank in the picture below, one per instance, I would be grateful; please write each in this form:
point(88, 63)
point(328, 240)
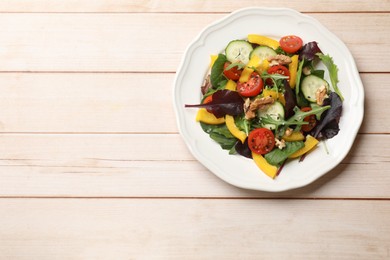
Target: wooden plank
point(132, 42)
point(121, 103)
point(130, 166)
point(187, 6)
point(374, 119)
point(87, 103)
point(193, 229)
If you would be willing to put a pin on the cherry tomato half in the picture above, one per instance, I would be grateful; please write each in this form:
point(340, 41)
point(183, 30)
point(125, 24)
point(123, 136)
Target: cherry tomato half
point(261, 140)
point(252, 87)
point(278, 69)
point(291, 43)
point(233, 73)
point(311, 119)
point(208, 99)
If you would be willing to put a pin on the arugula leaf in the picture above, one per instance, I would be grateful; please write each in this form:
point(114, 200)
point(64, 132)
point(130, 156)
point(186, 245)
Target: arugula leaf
point(277, 80)
point(243, 124)
point(279, 50)
point(239, 65)
point(266, 75)
point(333, 70)
point(296, 119)
point(216, 75)
point(278, 156)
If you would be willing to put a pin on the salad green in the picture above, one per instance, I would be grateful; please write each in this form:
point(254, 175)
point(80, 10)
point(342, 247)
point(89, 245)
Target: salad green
point(266, 100)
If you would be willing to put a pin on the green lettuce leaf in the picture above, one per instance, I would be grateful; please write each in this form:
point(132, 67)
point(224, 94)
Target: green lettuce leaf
point(216, 75)
point(278, 156)
point(333, 70)
point(220, 134)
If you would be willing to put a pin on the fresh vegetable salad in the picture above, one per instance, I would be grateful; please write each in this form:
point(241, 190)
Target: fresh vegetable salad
point(266, 99)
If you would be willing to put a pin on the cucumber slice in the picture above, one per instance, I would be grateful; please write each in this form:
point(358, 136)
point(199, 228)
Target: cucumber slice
point(275, 111)
point(263, 52)
point(310, 85)
point(238, 51)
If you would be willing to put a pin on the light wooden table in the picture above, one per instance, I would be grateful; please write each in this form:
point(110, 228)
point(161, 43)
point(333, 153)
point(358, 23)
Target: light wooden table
point(92, 166)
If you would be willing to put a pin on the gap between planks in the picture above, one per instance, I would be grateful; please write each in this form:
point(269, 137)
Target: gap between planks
point(191, 198)
point(183, 12)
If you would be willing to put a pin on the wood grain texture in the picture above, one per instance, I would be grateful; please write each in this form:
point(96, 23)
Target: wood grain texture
point(187, 6)
point(194, 229)
point(118, 103)
point(92, 165)
point(91, 42)
point(132, 166)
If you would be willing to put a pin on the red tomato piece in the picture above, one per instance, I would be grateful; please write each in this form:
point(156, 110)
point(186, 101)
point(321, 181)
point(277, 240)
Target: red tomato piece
point(233, 73)
point(291, 43)
point(261, 140)
point(311, 119)
point(208, 99)
point(252, 87)
point(278, 69)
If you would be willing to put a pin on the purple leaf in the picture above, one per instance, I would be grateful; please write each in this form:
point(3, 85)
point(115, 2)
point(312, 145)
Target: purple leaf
point(291, 101)
point(224, 102)
point(328, 126)
point(309, 51)
point(243, 149)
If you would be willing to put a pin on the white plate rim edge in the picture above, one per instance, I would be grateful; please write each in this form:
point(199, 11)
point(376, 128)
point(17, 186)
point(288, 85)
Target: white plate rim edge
point(197, 41)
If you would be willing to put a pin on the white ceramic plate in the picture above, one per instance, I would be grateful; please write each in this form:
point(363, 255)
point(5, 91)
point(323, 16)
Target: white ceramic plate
point(275, 23)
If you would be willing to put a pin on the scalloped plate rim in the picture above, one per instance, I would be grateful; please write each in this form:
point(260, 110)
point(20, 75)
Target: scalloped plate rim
point(213, 166)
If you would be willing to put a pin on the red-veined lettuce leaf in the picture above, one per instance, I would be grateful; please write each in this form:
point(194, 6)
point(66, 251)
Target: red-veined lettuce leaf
point(328, 126)
point(224, 102)
point(309, 51)
point(291, 101)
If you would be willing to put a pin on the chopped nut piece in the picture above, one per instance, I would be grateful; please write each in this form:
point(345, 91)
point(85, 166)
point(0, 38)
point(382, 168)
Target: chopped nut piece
point(247, 104)
point(288, 132)
point(321, 95)
point(279, 59)
point(280, 143)
point(306, 71)
point(258, 103)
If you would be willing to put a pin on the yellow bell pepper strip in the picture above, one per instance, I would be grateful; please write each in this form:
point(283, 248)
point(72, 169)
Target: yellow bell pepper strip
point(264, 65)
point(213, 58)
point(246, 73)
point(281, 99)
point(295, 136)
point(271, 93)
point(263, 40)
point(263, 165)
point(275, 95)
point(293, 67)
point(234, 130)
point(231, 85)
point(206, 117)
point(310, 143)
